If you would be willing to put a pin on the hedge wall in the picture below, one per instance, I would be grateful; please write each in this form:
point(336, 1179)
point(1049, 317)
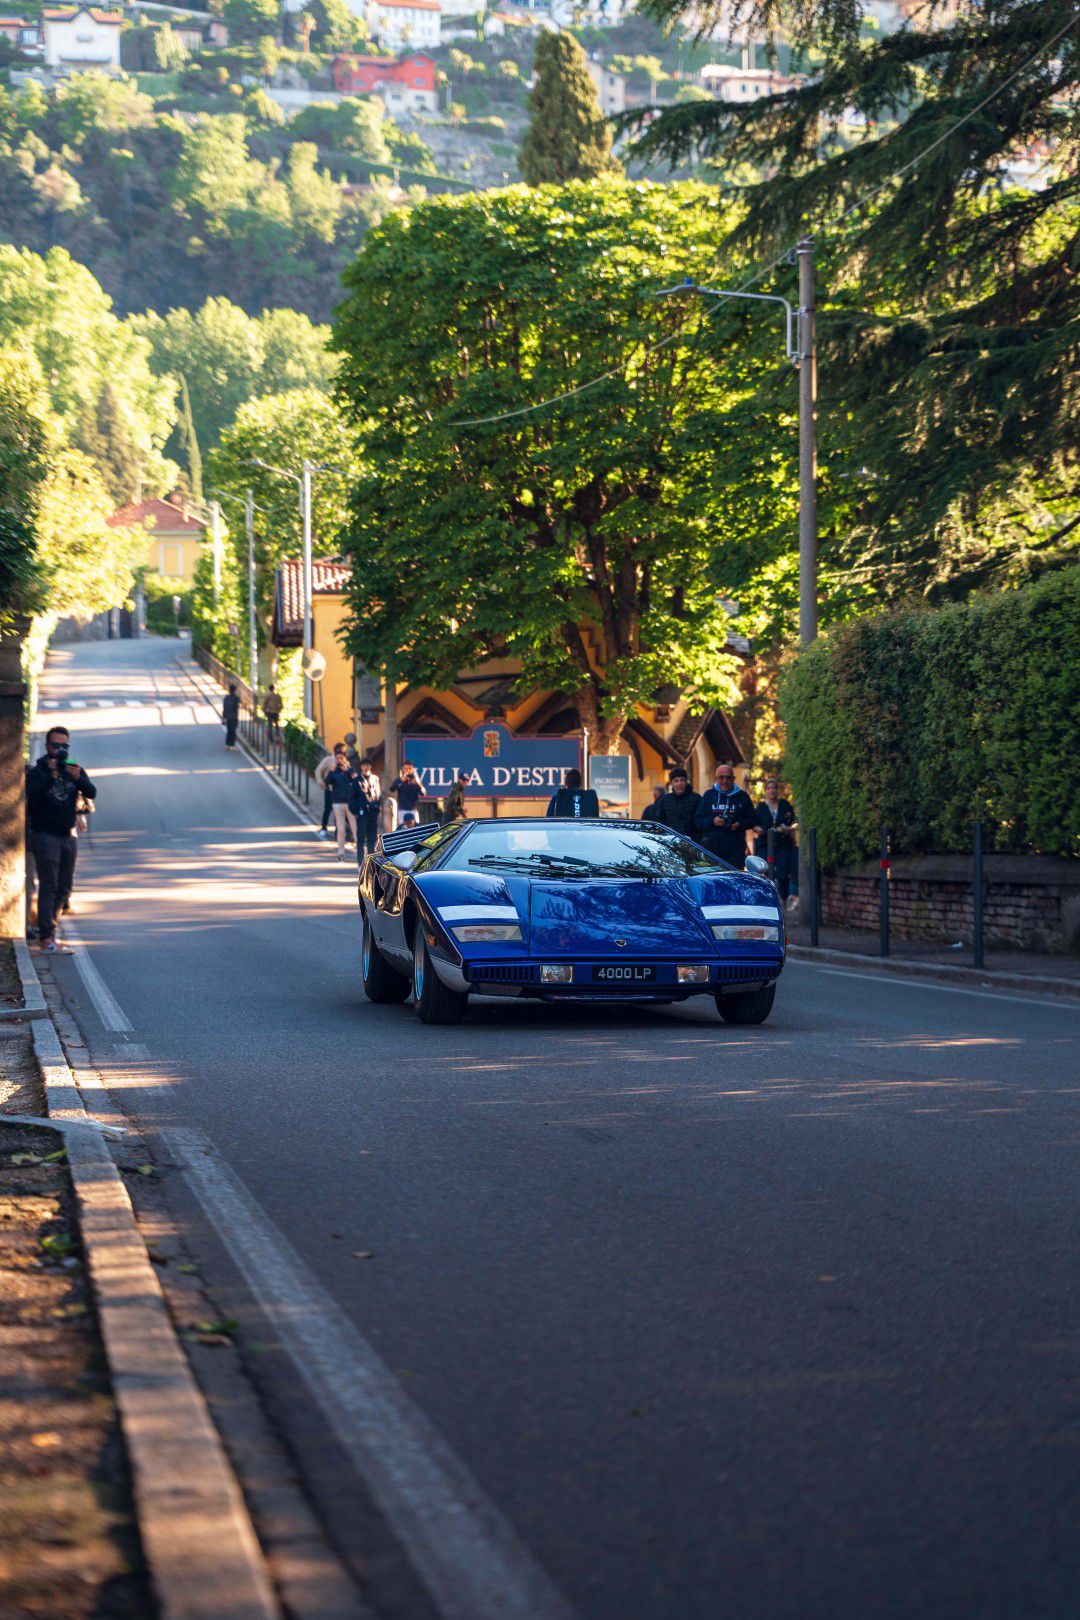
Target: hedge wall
point(929, 721)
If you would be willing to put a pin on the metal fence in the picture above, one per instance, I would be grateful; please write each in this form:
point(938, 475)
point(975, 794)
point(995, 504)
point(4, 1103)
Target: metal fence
point(885, 860)
point(264, 739)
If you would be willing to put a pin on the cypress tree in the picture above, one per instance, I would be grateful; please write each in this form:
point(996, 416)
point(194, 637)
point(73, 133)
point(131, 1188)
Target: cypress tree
point(189, 442)
point(567, 138)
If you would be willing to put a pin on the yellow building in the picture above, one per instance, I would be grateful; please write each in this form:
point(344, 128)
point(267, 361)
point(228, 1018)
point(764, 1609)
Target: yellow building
point(174, 535)
point(667, 732)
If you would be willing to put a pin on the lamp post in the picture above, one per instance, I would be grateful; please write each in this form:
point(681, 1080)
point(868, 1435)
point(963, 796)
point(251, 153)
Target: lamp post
point(800, 347)
point(302, 480)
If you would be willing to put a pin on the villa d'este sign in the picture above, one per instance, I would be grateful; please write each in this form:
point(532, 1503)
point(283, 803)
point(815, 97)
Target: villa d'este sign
point(497, 760)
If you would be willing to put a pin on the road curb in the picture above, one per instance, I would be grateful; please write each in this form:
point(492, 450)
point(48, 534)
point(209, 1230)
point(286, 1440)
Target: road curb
point(32, 994)
point(913, 967)
point(198, 1540)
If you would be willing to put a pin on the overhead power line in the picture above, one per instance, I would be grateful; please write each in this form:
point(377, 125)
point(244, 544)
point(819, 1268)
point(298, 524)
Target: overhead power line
point(788, 252)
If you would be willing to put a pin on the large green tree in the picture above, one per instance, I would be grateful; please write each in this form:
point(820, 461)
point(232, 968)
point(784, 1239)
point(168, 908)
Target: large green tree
point(228, 357)
point(948, 295)
point(584, 538)
point(54, 308)
point(282, 431)
point(567, 138)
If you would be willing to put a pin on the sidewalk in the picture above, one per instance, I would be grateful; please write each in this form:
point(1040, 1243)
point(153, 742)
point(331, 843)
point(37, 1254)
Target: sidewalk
point(925, 956)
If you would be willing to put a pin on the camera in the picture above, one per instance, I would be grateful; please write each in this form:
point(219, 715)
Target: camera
point(60, 753)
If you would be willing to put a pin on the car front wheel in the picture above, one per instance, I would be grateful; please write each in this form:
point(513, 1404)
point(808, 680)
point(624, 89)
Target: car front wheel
point(434, 1003)
point(752, 1008)
point(381, 983)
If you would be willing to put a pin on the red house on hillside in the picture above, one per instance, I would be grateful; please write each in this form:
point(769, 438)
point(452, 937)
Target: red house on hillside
point(406, 85)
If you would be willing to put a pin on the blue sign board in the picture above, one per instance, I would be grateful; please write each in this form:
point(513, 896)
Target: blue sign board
point(500, 763)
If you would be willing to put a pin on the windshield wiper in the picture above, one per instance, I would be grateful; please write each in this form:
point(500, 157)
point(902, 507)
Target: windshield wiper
point(572, 862)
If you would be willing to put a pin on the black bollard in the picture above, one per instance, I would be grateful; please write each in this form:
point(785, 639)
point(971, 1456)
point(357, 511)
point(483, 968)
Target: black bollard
point(977, 895)
point(815, 887)
point(884, 891)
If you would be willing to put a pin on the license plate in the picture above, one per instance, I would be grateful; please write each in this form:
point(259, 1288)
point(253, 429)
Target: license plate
point(617, 974)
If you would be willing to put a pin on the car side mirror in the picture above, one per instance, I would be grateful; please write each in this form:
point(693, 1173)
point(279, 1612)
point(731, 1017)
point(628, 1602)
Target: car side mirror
point(407, 858)
point(757, 866)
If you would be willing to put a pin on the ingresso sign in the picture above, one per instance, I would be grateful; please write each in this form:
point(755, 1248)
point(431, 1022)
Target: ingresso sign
point(500, 763)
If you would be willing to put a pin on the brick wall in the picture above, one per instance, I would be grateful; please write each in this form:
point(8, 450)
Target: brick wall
point(1029, 902)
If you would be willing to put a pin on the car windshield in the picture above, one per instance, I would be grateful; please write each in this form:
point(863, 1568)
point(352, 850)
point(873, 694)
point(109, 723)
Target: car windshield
point(585, 849)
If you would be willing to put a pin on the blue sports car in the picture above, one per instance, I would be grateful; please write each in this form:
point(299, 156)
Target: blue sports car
point(592, 911)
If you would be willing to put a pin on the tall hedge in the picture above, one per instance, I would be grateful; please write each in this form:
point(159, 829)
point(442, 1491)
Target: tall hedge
point(927, 721)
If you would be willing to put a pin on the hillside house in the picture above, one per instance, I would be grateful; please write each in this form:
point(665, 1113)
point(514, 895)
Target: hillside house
point(174, 534)
point(23, 34)
point(401, 24)
point(80, 38)
point(738, 84)
point(406, 86)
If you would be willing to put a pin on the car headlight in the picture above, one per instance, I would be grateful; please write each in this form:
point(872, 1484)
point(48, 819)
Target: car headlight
point(764, 933)
point(488, 933)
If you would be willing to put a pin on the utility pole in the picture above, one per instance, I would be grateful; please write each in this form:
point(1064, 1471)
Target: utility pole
point(808, 536)
point(390, 733)
point(309, 629)
point(253, 647)
point(215, 542)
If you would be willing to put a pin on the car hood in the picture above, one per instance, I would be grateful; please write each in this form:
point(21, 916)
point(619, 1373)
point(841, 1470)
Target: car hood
point(660, 918)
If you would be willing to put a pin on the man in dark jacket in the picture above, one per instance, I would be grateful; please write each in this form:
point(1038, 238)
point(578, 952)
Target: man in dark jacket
point(454, 809)
point(649, 812)
point(573, 800)
point(676, 809)
point(409, 790)
point(365, 798)
point(53, 786)
point(722, 817)
point(230, 715)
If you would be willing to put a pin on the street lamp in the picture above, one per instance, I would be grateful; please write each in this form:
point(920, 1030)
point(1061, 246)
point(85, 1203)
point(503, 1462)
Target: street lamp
point(303, 483)
point(248, 504)
point(801, 350)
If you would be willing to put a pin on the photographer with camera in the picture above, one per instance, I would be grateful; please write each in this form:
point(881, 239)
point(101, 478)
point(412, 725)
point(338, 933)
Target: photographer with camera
point(53, 789)
point(723, 815)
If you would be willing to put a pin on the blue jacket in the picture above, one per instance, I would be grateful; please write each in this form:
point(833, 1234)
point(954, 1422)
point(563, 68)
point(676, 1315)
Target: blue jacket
point(576, 802)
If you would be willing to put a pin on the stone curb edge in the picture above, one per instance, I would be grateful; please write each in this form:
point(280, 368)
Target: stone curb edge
point(912, 966)
point(198, 1540)
point(33, 997)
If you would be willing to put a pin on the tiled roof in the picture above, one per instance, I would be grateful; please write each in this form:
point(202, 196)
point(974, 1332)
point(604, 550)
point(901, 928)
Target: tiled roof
point(687, 731)
point(329, 577)
point(410, 5)
point(69, 13)
point(161, 515)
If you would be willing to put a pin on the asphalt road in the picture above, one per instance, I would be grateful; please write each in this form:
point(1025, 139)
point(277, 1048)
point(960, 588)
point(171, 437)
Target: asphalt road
point(771, 1324)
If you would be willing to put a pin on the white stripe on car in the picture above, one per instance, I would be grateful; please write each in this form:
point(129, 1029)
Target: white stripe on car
point(478, 913)
point(739, 913)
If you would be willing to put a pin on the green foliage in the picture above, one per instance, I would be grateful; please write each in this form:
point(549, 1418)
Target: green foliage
point(927, 722)
point(337, 28)
point(216, 616)
point(248, 19)
point(96, 367)
point(282, 430)
point(188, 441)
point(23, 462)
point(302, 741)
point(567, 138)
point(948, 296)
point(228, 357)
point(354, 124)
point(474, 541)
point(96, 103)
point(161, 616)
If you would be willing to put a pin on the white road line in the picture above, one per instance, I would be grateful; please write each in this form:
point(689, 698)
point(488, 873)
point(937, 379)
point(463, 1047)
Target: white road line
point(76, 703)
point(108, 1008)
point(1002, 997)
point(462, 1548)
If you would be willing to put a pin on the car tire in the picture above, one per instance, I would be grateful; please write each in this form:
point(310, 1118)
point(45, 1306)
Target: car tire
point(381, 984)
point(434, 1003)
point(752, 1008)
